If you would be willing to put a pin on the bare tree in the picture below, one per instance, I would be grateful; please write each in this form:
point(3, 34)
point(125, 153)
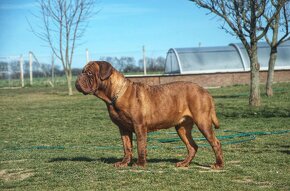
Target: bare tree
point(280, 25)
point(63, 23)
point(242, 19)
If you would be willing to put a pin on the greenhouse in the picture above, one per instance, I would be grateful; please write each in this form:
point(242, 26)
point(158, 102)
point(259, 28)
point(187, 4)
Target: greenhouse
point(231, 58)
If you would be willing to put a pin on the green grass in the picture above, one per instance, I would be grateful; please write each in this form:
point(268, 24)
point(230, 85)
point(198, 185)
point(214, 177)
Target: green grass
point(50, 141)
point(37, 82)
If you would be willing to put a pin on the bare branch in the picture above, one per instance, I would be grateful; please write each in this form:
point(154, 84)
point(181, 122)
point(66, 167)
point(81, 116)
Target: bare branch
point(286, 16)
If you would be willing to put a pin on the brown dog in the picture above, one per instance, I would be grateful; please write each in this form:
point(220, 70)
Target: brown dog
point(139, 108)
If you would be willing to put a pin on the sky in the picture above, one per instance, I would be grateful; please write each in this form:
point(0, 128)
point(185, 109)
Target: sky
point(120, 28)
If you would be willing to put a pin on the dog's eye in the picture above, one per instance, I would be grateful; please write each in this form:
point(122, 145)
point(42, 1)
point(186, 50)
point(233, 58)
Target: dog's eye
point(90, 74)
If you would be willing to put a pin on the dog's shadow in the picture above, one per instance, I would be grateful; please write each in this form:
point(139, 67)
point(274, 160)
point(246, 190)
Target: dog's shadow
point(107, 160)
point(112, 160)
point(74, 159)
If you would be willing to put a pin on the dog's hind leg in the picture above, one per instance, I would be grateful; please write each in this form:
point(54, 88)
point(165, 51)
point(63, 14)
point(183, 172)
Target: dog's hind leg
point(184, 132)
point(205, 127)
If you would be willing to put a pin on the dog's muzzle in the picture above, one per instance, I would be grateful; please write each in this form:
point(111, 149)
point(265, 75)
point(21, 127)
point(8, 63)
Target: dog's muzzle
point(81, 85)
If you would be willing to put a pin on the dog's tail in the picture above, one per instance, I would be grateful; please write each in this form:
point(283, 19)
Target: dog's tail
point(214, 118)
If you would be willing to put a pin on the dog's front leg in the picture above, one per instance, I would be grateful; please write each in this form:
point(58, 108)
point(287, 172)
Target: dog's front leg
point(127, 145)
point(141, 135)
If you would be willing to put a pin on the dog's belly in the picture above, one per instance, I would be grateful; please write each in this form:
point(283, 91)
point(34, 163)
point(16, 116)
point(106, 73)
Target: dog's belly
point(163, 121)
point(161, 125)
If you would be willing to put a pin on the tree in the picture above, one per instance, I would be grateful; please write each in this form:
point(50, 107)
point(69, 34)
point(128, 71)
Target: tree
point(242, 19)
point(280, 24)
point(63, 24)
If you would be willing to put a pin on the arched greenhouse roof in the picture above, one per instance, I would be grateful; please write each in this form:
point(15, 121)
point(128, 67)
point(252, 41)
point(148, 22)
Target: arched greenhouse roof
point(229, 58)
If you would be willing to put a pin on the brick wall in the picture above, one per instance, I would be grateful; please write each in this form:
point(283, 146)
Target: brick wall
point(212, 80)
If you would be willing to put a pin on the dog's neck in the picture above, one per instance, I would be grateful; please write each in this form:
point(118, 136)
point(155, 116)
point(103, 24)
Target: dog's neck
point(121, 88)
point(112, 90)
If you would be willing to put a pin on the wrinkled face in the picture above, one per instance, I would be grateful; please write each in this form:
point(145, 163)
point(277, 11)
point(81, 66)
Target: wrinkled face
point(92, 75)
point(86, 81)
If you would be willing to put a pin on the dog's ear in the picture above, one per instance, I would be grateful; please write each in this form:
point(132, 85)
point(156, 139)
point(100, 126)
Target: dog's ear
point(105, 70)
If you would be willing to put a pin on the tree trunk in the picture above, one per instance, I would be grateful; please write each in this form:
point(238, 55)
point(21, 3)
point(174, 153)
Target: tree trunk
point(273, 55)
point(68, 75)
point(69, 86)
point(255, 99)
point(270, 77)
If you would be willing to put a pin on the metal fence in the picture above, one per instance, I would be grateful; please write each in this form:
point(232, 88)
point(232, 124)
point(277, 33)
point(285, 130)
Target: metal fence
point(22, 70)
point(32, 70)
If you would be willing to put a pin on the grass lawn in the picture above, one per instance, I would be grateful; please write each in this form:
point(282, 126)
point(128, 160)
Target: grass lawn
point(50, 141)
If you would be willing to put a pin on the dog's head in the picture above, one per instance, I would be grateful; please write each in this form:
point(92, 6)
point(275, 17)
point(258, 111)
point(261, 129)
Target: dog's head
point(93, 74)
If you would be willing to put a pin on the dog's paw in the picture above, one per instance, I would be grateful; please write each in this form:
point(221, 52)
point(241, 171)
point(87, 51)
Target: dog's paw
point(182, 164)
point(141, 165)
point(217, 166)
point(120, 164)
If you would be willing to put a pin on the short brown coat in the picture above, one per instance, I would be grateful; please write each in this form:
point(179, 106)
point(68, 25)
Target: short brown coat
point(139, 108)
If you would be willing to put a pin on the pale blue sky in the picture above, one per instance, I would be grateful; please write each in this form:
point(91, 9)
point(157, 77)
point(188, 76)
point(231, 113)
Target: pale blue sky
point(120, 28)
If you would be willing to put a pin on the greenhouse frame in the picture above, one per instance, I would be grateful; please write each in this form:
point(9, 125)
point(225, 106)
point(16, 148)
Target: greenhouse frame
point(231, 58)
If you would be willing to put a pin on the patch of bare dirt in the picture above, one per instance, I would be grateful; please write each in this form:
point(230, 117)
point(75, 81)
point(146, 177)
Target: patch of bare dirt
point(248, 180)
point(15, 174)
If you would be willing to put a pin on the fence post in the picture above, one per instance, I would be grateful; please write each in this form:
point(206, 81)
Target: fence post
point(87, 55)
point(30, 68)
point(21, 70)
point(52, 69)
point(144, 60)
point(9, 74)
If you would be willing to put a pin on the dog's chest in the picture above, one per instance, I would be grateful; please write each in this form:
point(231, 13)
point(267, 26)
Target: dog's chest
point(120, 118)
